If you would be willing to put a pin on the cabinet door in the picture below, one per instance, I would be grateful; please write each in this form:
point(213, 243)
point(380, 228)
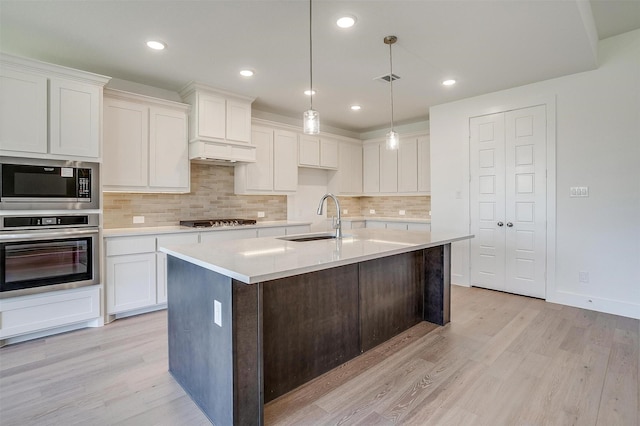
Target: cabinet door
point(408, 165)
point(125, 150)
point(328, 153)
point(238, 121)
point(168, 150)
point(396, 225)
point(211, 119)
point(388, 170)
point(418, 226)
point(74, 117)
point(23, 112)
point(131, 282)
point(374, 224)
point(285, 161)
point(309, 151)
point(371, 168)
point(424, 164)
point(260, 174)
point(354, 185)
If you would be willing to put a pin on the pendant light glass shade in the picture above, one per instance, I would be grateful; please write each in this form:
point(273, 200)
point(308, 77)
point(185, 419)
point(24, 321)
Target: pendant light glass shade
point(392, 139)
point(311, 118)
point(311, 122)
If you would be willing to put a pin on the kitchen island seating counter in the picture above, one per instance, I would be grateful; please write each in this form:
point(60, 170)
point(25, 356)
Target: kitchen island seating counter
point(252, 319)
point(255, 260)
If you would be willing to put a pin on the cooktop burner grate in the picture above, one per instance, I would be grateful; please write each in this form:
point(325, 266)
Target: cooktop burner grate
point(208, 223)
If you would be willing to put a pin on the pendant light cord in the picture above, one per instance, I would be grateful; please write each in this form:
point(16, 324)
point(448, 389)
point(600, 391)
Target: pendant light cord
point(391, 82)
point(310, 57)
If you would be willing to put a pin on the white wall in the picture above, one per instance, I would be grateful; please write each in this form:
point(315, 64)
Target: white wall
point(597, 145)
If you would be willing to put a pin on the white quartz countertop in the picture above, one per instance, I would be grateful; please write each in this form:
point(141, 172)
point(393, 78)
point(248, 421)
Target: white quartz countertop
point(146, 230)
point(262, 259)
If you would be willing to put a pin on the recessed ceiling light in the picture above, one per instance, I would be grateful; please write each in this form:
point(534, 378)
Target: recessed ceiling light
point(246, 73)
point(448, 82)
point(309, 92)
point(156, 45)
point(346, 22)
point(356, 107)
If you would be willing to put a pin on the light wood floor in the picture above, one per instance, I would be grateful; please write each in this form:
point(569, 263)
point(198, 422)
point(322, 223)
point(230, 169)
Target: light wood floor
point(503, 360)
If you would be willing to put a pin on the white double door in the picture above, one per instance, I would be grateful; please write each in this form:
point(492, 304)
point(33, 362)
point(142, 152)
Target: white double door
point(508, 201)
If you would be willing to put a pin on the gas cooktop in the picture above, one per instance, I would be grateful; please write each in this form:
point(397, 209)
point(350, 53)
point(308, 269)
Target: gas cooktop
point(208, 223)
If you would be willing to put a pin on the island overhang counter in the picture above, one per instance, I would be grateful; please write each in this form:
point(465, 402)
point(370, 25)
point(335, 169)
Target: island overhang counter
point(250, 320)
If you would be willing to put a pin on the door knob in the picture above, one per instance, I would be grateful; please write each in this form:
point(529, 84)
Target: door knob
point(509, 224)
point(500, 223)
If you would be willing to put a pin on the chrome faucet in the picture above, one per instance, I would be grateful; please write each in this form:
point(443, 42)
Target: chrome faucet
point(338, 225)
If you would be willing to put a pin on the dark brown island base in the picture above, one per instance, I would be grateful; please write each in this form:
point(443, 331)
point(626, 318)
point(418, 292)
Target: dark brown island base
point(238, 341)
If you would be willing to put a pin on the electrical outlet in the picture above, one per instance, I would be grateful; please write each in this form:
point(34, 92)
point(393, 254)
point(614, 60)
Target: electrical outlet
point(583, 277)
point(217, 313)
point(372, 211)
point(345, 211)
point(579, 191)
point(260, 214)
point(401, 212)
point(138, 219)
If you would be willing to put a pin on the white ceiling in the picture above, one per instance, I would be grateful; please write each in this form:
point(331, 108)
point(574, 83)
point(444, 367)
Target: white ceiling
point(485, 45)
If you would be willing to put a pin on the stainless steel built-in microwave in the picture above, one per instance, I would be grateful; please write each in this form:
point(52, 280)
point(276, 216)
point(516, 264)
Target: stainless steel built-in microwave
point(29, 184)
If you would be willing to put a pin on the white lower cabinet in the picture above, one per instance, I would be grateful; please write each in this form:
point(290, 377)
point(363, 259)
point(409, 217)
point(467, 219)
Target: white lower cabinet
point(39, 312)
point(130, 273)
point(136, 272)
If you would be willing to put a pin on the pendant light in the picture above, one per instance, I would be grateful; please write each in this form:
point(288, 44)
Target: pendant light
point(392, 139)
point(311, 118)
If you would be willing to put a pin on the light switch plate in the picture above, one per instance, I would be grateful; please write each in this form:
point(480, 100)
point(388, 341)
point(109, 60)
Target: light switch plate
point(138, 219)
point(402, 212)
point(372, 211)
point(260, 214)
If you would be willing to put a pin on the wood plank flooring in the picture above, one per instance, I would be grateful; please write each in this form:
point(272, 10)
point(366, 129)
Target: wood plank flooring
point(503, 360)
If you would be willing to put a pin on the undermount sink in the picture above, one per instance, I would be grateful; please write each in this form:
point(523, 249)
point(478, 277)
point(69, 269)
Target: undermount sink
point(304, 238)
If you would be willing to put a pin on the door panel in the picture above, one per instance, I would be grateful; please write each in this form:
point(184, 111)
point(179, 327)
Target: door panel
point(487, 200)
point(526, 200)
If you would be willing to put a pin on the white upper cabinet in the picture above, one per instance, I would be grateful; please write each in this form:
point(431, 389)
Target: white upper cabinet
point(219, 125)
point(405, 171)
point(347, 180)
point(145, 144)
point(23, 111)
point(408, 165)
point(276, 166)
point(74, 118)
point(371, 168)
point(424, 164)
point(318, 152)
point(48, 111)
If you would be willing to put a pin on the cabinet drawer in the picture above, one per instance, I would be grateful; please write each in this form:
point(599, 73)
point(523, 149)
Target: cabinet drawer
point(177, 239)
point(397, 225)
point(130, 245)
point(298, 229)
point(271, 232)
point(375, 224)
point(206, 237)
point(40, 312)
point(419, 226)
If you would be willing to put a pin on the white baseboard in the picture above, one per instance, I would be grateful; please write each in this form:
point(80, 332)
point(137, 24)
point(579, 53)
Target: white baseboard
point(608, 306)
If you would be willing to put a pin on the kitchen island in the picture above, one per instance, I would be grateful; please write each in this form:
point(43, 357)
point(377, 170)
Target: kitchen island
point(250, 320)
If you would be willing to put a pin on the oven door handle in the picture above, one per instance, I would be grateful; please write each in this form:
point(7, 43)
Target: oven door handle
point(64, 233)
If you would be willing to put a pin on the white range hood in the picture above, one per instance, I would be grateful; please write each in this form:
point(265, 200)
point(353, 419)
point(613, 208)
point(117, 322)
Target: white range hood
point(219, 125)
point(221, 153)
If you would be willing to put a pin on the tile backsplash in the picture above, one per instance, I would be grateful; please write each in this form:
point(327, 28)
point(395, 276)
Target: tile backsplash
point(211, 197)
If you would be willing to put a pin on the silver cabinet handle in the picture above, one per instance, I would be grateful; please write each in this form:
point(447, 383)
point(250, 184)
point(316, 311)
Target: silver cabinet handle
point(509, 224)
point(500, 223)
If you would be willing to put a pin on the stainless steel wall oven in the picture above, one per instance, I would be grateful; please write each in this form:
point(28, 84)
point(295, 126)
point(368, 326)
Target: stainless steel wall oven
point(46, 253)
